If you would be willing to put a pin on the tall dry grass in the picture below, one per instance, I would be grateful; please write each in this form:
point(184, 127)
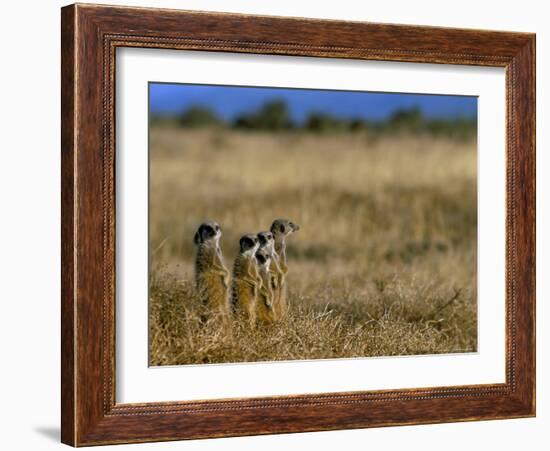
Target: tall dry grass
point(384, 263)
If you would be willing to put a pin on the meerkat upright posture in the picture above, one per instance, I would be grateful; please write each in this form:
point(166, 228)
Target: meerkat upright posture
point(281, 228)
point(246, 278)
point(211, 275)
point(275, 276)
point(264, 304)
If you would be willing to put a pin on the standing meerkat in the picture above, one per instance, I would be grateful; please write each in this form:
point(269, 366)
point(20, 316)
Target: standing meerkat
point(264, 304)
point(281, 228)
point(276, 275)
point(211, 275)
point(246, 279)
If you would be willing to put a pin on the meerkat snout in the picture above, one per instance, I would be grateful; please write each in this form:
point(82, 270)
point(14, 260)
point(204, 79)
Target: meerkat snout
point(294, 227)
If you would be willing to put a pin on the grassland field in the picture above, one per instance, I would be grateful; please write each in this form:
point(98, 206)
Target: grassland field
point(384, 263)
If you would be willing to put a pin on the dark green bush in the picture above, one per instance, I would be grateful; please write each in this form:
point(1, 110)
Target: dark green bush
point(273, 115)
point(198, 116)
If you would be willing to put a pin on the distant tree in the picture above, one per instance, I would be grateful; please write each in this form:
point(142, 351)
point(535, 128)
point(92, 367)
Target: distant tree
point(410, 119)
point(325, 123)
point(357, 125)
point(273, 115)
point(198, 116)
point(245, 121)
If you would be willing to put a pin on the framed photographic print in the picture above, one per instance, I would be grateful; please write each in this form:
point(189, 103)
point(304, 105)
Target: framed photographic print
point(280, 224)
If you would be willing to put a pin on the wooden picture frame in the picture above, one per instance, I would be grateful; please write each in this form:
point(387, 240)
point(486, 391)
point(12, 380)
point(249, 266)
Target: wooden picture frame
point(90, 36)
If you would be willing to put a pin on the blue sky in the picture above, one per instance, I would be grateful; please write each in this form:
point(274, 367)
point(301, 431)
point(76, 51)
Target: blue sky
point(230, 101)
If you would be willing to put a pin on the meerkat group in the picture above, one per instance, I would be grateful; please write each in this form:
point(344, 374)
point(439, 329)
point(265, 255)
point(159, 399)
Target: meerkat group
point(257, 291)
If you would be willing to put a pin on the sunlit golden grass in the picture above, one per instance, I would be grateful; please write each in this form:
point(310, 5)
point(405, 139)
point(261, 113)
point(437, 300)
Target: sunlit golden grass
point(384, 263)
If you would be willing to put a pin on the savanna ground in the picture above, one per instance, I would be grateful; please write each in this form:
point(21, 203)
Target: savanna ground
point(384, 263)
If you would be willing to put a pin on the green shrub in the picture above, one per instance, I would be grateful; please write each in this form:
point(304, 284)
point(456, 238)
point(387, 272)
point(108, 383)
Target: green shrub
point(198, 116)
point(273, 115)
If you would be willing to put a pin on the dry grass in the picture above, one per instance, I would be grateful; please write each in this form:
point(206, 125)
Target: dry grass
point(384, 263)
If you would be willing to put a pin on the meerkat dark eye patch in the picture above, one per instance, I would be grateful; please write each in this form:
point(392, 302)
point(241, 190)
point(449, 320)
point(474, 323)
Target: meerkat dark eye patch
point(261, 259)
point(246, 243)
point(282, 228)
point(206, 232)
point(262, 239)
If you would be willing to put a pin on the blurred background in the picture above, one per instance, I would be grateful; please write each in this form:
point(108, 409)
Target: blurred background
point(383, 186)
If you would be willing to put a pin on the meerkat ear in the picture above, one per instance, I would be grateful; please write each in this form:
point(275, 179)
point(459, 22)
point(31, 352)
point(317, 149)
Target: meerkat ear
point(197, 238)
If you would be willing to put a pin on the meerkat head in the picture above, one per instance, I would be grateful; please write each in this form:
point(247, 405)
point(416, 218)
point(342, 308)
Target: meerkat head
point(249, 244)
point(263, 258)
point(208, 233)
point(281, 228)
point(266, 241)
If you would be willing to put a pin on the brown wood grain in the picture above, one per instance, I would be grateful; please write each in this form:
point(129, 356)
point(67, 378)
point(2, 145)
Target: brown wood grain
point(68, 313)
point(90, 35)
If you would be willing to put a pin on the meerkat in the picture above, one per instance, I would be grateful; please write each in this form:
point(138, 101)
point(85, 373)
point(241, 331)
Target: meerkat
point(211, 275)
point(281, 228)
point(246, 278)
point(264, 304)
point(276, 275)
